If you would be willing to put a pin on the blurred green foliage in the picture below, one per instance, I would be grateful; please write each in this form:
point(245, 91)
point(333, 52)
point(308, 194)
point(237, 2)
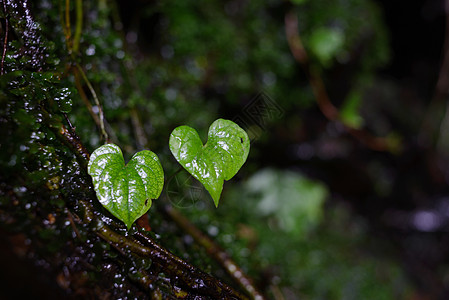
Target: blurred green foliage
point(325, 44)
point(349, 111)
point(282, 229)
point(276, 224)
point(292, 202)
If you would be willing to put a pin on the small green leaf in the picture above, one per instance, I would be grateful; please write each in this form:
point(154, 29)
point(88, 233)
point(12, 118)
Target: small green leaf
point(326, 43)
point(125, 190)
point(220, 159)
point(349, 112)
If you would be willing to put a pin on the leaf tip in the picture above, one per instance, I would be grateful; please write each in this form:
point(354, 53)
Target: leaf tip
point(129, 225)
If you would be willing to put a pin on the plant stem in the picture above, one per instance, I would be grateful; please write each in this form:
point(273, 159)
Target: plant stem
point(183, 274)
point(85, 99)
point(73, 48)
point(66, 27)
point(319, 90)
point(139, 132)
point(97, 103)
point(78, 27)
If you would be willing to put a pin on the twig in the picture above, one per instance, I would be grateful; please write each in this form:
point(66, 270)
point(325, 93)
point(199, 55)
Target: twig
point(72, 44)
point(139, 132)
point(108, 240)
point(319, 89)
point(216, 252)
point(73, 48)
point(85, 99)
point(97, 103)
point(72, 223)
point(189, 276)
point(79, 87)
point(277, 293)
point(64, 15)
point(300, 54)
point(67, 28)
point(78, 27)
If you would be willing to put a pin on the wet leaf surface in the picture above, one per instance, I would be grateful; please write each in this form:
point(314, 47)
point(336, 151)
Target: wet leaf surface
point(126, 190)
point(219, 159)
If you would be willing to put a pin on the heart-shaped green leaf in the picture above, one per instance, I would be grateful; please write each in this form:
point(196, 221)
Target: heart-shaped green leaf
point(219, 159)
point(126, 191)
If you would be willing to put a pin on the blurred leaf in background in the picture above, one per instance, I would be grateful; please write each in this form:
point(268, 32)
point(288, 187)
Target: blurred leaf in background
point(309, 249)
point(349, 111)
point(292, 202)
point(325, 43)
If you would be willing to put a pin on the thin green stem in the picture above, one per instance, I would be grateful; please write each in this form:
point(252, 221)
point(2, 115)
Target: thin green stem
point(97, 102)
point(67, 29)
point(73, 48)
point(139, 132)
point(78, 27)
point(85, 99)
